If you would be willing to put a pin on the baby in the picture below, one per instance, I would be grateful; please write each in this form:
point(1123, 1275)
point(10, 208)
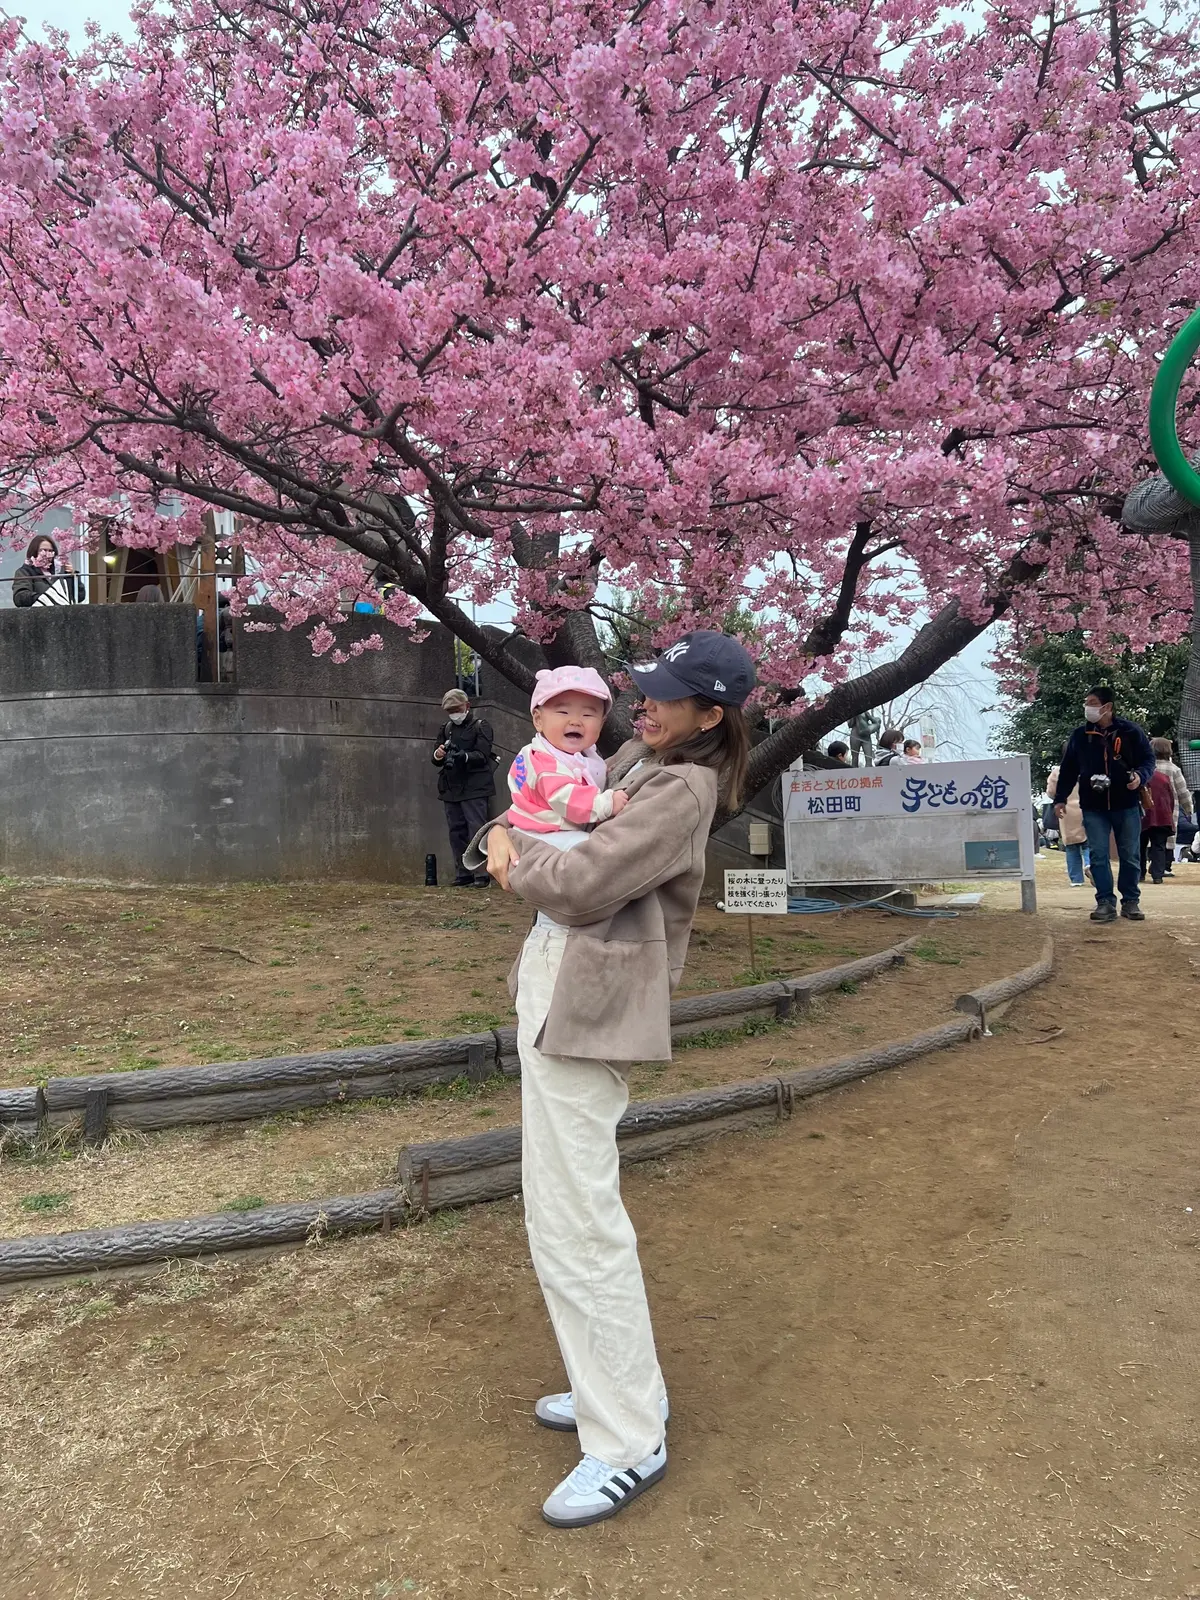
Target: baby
point(557, 781)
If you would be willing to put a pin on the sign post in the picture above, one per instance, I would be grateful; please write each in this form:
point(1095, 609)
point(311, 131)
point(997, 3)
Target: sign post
point(931, 822)
point(762, 891)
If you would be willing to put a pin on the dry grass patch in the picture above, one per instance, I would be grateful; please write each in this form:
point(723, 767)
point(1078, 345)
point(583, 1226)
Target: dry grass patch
point(338, 1150)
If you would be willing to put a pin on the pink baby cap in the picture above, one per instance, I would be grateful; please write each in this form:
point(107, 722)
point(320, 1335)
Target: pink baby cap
point(586, 680)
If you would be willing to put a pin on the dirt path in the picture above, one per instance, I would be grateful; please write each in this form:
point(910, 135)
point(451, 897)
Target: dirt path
point(932, 1338)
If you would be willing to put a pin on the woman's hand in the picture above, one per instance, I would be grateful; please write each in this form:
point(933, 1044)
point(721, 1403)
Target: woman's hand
point(500, 856)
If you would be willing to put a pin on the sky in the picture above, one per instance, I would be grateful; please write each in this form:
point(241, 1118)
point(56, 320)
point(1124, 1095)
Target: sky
point(112, 15)
point(980, 686)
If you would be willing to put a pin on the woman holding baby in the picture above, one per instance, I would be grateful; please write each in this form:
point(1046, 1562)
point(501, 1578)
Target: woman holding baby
point(613, 860)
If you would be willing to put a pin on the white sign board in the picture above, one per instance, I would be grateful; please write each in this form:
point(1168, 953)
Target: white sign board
point(928, 822)
point(762, 892)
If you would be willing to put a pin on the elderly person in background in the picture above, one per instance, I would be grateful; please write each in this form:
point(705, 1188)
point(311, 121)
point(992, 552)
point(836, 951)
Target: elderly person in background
point(40, 569)
point(466, 779)
point(1074, 834)
point(1183, 807)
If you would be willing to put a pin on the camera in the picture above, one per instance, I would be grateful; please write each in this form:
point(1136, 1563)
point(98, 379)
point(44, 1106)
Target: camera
point(1101, 781)
point(455, 757)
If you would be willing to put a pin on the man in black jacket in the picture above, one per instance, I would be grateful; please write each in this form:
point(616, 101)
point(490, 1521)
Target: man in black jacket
point(1111, 760)
point(466, 779)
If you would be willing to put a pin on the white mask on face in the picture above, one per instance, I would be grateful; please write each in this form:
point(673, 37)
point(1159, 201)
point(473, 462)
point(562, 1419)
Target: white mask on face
point(458, 716)
point(1093, 713)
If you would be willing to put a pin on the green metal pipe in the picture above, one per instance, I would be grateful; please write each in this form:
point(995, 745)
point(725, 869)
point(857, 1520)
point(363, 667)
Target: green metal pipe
point(1164, 396)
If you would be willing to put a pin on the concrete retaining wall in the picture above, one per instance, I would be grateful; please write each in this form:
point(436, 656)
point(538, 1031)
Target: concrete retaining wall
point(96, 647)
point(116, 763)
point(129, 769)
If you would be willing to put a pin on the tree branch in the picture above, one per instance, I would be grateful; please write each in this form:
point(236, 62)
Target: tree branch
point(942, 638)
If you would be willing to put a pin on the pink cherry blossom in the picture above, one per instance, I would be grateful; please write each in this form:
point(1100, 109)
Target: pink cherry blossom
point(843, 317)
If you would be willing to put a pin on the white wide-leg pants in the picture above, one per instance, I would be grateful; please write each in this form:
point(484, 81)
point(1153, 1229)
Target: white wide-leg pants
point(582, 1242)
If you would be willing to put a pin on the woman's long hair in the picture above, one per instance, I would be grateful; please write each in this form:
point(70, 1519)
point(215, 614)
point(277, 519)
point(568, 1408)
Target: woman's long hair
point(724, 747)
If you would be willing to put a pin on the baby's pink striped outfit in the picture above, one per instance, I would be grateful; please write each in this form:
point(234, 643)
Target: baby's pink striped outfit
point(556, 791)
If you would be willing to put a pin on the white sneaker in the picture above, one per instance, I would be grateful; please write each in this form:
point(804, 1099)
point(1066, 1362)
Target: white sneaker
point(557, 1411)
point(596, 1491)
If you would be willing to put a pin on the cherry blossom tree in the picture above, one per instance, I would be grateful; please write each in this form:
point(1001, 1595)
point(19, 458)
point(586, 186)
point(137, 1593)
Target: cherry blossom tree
point(842, 316)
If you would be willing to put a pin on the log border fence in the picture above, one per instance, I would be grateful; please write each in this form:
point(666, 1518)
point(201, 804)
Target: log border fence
point(454, 1172)
point(230, 1091)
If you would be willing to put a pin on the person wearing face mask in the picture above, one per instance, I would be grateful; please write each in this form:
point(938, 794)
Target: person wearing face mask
point(466, 780)
point(1110, 759)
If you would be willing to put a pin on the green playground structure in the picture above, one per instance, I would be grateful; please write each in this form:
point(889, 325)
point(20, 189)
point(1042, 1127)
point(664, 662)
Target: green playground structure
point(1164, 397)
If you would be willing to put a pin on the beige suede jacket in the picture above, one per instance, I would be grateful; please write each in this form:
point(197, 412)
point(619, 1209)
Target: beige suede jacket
point(627, 895)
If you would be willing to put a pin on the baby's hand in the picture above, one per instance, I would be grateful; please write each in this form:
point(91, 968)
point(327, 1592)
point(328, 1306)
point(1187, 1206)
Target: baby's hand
point(620, 801)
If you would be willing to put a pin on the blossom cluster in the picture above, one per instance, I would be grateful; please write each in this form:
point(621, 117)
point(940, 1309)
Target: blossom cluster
point(828, 315)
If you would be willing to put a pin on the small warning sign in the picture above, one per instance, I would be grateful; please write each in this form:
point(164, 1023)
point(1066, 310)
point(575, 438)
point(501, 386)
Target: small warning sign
point(763, 892)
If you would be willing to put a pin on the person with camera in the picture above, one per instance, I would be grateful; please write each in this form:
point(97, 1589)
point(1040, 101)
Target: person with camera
point(42, 579)
point(466, 779)
point(1110, 759)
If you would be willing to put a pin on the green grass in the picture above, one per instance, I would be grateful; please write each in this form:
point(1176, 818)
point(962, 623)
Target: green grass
point(446, 1221)
point(245, 1202)
point(709, 1038)
point(928, 951)
point(476, 1021)
point(462, 1088)
point(44, 1202)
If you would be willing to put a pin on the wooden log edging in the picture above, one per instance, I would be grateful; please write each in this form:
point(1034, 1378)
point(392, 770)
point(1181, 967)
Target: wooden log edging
point(487, 1166)
point(47, 1255)
point(22, 1112)
point(980, 1001)
point(230, 1091)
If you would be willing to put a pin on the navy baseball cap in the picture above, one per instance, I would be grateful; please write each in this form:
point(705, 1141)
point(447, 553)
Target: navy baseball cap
point(706, 663)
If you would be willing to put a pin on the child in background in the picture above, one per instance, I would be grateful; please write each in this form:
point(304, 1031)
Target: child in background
point(557, 780)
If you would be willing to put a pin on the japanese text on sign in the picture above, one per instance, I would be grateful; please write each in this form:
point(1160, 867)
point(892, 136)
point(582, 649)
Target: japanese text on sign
point(833, 805)
point(822, 785)
point(762, 892)
point(988, 794)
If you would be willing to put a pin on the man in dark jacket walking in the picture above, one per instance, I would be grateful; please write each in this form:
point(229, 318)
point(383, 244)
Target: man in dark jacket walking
point(466, 779)
point(1111, 760)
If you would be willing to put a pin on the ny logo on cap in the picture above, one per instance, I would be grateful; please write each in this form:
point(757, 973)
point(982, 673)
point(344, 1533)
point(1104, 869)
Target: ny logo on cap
point(676, 650)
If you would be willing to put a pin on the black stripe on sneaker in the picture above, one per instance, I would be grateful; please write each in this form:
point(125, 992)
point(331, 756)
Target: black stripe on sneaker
point(631, 1472)
point(611, 1494)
